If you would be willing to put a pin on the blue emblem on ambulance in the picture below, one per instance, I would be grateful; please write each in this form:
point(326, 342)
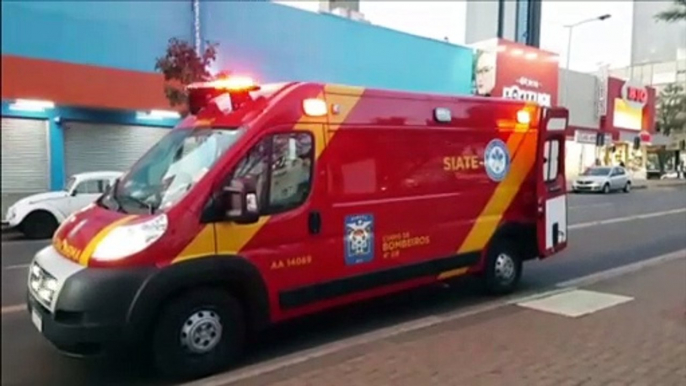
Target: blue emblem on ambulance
point(497, 160)
point(359, 239)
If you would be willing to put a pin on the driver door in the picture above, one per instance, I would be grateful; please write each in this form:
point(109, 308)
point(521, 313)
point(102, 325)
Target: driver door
point(551, 182)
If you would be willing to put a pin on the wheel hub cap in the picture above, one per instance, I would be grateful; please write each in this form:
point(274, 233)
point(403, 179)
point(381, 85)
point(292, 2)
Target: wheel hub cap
point(504, 267)
point(201, 332)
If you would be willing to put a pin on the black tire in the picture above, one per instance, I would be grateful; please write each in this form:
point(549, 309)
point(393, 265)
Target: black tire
point(627, 187)
point(38, 225)
point(498, 253)
point(172, 359)
point(606, 188)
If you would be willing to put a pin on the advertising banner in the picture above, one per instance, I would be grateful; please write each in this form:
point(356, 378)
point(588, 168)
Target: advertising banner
point(506, 69)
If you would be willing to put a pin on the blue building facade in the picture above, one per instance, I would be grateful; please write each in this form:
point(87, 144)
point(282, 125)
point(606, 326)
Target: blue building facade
point(271, 42)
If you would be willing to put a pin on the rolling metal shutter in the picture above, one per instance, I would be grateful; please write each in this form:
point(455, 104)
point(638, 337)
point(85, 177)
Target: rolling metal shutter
point(25, 160)
point(96, 147)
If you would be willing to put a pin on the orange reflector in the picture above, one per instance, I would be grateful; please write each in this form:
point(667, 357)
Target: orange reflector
point(314, 107)
point(523, 117)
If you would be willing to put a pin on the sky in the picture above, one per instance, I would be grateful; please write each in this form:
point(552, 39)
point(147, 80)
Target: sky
point(606, 42)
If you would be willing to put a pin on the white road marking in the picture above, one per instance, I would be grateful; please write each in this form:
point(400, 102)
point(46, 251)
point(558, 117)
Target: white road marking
point(576, 303)
point(13, 309)
point(625, 219)
point(590, 206)
point(384, 333)
point(17, 266)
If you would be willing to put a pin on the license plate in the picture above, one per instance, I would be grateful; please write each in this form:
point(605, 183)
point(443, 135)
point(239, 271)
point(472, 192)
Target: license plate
point(37, 321)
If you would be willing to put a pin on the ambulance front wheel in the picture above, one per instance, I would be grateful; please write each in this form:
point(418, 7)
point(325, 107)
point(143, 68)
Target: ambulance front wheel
point(503, 267)
point(198, 334)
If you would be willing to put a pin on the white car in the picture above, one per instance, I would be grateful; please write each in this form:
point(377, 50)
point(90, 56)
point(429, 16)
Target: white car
point(603, 179)
point(39, 215)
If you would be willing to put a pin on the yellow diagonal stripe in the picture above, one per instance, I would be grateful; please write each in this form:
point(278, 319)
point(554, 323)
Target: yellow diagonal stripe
point(486, 223)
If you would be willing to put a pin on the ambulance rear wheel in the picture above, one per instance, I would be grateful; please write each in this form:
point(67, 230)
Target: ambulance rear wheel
point(503, 267)
point(198, 334)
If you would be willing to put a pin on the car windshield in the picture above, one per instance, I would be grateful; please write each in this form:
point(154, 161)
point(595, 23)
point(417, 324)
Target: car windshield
point(597, 172)
point(69, 184)
point(170, 169)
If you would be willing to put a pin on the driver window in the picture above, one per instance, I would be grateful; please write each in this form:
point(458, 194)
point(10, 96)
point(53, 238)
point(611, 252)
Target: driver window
point(291, 170)
point(281, 167)
point(254, 167)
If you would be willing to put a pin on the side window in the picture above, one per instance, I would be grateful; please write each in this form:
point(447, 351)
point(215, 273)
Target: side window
point(291, 171)
point(551, 165)
point(91, 187)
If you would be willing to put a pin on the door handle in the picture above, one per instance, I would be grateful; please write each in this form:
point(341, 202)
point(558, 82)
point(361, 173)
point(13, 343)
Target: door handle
point(314, 222)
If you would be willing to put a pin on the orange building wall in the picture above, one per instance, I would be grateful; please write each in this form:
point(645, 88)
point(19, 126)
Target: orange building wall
point(81, 85)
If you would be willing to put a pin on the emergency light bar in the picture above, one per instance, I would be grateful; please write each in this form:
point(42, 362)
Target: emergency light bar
point(234, 91)
point(234, 83)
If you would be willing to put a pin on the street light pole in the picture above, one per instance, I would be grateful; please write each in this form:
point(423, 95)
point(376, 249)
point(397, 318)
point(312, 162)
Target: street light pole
point(568, 62)
point(569, 47)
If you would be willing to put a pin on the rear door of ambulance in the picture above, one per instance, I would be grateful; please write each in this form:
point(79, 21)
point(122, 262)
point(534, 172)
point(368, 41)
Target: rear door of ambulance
point(551, 182)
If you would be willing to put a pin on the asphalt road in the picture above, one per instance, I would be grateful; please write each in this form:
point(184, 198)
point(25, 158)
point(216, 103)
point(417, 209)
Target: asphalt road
point(27, 359)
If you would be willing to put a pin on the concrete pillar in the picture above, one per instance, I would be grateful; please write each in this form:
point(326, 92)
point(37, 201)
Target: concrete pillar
point(56, 151)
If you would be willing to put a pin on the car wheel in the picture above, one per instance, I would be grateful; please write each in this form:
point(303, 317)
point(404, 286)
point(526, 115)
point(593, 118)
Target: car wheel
point(198, 334)
point(39, 224)
point(627, 187)
point(606, 188)
point(503, 267)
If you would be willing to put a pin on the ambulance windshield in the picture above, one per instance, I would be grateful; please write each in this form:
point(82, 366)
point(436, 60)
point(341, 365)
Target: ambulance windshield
point(169, 169)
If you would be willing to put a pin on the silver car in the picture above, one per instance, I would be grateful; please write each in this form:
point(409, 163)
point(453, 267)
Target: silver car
point(603, 179)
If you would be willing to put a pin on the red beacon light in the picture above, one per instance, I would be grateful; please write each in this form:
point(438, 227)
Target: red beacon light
point(229, 93)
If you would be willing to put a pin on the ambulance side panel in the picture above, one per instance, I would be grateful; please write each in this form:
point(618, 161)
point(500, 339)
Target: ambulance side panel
point(408, 199)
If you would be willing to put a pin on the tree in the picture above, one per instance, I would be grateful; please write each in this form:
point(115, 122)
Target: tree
point(675, 14)
point(671, 109)
point(181, 65)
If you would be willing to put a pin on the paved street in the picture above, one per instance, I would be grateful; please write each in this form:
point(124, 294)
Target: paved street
point(653, 222)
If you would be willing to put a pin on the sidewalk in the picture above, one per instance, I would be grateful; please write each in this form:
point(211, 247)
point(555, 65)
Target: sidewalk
point(639, 342)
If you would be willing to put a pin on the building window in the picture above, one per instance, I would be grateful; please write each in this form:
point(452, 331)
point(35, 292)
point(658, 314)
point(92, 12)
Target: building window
point(522, 29)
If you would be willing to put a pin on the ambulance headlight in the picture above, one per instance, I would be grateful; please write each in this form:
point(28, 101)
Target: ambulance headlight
point(126, 240)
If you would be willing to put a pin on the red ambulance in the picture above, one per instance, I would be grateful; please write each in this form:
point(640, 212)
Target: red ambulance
point(273, 202)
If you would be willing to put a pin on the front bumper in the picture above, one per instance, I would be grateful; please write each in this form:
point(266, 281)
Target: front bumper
point(88, 312)
point(586, 188)
point(68, 332)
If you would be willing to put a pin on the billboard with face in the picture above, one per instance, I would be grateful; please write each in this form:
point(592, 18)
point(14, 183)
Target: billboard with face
point(511, 70)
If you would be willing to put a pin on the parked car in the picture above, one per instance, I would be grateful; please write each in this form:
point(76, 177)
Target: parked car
point(603, 179)
point(38, 216)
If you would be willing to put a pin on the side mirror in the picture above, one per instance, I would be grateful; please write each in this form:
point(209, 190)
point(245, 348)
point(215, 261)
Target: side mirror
point(240, 202)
